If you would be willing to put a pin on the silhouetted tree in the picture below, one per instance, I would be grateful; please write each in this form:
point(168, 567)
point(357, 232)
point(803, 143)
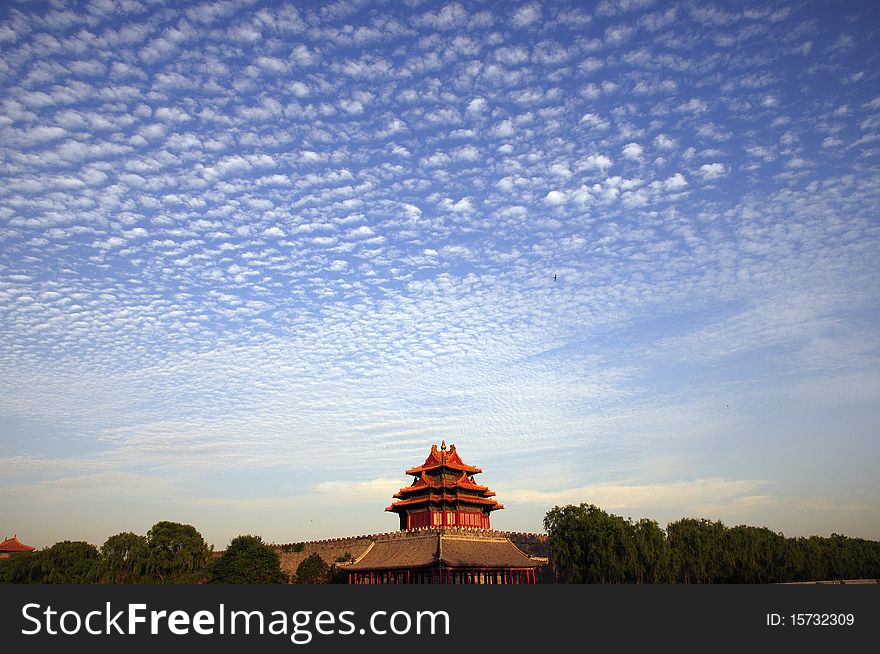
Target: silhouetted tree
point(248, 560)
point(313, 570)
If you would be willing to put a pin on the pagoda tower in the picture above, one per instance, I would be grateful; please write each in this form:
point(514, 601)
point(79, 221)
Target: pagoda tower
point(12, 545)
point(444, 494)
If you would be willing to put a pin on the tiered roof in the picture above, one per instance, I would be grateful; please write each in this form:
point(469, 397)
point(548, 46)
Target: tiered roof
point(444, 481)
point(440, 458)
point(11, 545)
point(451, 547)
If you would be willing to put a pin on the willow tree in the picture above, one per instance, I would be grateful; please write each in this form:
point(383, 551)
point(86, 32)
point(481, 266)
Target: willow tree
point(248, 560)
point(588, 545)
point(178, 554)
point(124, 559)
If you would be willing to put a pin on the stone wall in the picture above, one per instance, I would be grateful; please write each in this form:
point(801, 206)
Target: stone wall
point(330, 550)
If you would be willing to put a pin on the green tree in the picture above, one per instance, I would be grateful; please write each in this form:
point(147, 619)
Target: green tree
point(178, 554)
point(754, 555)
point(651, 553)
point(588, 545)
point(815, 563)
point(248, 560)
point(697, 550)
point(337, 574)
point(313, 570)
point(69, 562)
point(22, 568)
point(124, 559)
point(568, 549)
point(792, 560)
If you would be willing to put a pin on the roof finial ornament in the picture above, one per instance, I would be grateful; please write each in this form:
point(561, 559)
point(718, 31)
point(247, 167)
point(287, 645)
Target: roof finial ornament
point(443, 444)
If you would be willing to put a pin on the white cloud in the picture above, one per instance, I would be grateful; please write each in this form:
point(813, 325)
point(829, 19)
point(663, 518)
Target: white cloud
point(107, 484)
point(617, 34)
point(504, 129)
point(271, 234)
point(451, 15)
point(676, 182)
point(436, 159)
point(664, 142)
point(137, 232)
point(712, 171)
point(464, 205)
point(594, 120)
point(689, 497)
point(527, 14)
point(614, 7)
point(555, 198)
point(466, 153)
point(632, 151)
point(598, 162)
point(693, 106)
point(477, 106)
point(373, 491)
point(560, 170)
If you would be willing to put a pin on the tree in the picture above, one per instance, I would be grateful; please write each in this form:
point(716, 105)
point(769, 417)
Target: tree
point(313, 570)
point(651, 561)
point(178, 554)
point(248, 560)
point(125, 559)
point(697, 550)
point(754, 555)
point(589, 545)
point(69, 562)
point(22, 568)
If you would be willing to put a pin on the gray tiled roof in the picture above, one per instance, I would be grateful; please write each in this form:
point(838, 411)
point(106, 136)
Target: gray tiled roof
point(429, 547)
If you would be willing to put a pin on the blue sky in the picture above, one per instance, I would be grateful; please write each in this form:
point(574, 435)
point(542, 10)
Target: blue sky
point(256, 257)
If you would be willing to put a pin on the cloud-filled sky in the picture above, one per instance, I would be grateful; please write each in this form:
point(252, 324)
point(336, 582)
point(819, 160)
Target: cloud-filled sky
point(256, 257)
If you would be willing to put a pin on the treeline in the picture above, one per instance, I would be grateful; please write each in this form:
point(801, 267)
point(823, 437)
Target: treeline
point(589, 545)
point(170, 553)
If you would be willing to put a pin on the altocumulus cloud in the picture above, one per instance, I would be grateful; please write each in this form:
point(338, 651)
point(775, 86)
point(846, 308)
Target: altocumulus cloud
point(261, 251)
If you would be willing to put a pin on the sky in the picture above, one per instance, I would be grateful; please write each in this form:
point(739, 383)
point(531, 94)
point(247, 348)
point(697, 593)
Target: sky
point(257, 257)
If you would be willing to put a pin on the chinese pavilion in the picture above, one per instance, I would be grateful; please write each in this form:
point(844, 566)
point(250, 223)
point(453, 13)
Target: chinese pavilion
point(444, 536)
point(444, 493)
point(13, 546)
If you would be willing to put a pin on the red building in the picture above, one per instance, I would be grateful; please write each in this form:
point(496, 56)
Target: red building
point(13, 546)
point(444, 493)
point(445, 535)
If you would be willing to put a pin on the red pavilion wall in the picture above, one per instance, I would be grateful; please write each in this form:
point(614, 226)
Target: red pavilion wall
point(421, 519)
